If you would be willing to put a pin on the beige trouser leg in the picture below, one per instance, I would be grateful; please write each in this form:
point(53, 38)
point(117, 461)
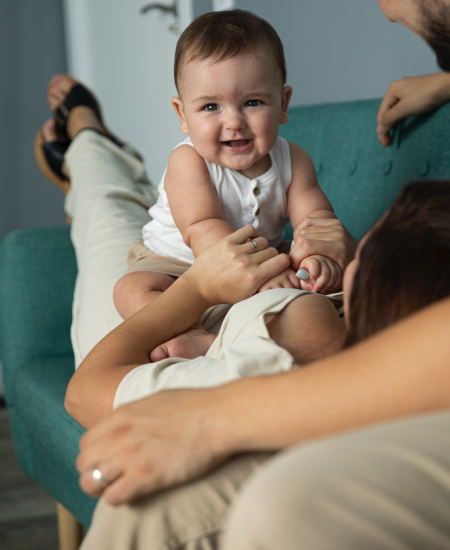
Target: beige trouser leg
point(108, 202)
point(189, 517)
point(384, 488)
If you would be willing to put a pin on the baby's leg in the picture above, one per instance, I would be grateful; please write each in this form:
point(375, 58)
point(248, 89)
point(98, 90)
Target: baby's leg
point(309, 328)
point(137, 289)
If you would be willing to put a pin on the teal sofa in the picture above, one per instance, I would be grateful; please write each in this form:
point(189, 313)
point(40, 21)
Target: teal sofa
point(38, 270)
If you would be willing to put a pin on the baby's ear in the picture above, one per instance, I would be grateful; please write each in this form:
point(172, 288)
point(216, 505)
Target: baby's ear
point(286, 95)
point(178, 107)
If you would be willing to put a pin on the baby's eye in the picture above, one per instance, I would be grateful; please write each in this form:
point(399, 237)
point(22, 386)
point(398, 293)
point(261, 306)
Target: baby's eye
point(211, 107)
point(253, 103)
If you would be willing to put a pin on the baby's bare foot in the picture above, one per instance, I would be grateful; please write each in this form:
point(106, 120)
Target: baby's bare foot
point(191, 344)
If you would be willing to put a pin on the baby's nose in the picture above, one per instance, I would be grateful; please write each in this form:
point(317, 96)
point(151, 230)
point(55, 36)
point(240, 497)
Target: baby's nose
point(234, 120)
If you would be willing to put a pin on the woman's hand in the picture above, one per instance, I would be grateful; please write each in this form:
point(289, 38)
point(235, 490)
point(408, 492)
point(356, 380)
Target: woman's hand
point(231, 270)
point(153, 443)
point(324, 237)
point(408, 97)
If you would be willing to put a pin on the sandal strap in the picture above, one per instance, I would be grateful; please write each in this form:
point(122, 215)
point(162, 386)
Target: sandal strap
point(54, 152)
point(78, 96)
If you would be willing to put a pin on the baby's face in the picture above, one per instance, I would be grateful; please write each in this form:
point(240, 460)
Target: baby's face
point(232, 110)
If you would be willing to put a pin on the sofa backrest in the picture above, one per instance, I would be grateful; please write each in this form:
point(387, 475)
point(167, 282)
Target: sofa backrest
point(361, 177)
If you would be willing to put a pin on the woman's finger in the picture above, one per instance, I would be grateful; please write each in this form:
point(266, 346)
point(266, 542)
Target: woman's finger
point(242, 235)
point(262, 256)
point(268, 268)
point(255, 245)
point(313, 266)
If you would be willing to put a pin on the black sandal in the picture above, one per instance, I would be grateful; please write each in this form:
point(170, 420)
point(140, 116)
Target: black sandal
point(50, 155)
point(79, 96)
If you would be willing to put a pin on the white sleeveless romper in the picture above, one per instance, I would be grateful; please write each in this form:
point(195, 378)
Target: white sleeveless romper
point(260, 202)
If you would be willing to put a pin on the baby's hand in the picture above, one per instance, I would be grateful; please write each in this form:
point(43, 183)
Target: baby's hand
point(324, 274)
point(285, 279)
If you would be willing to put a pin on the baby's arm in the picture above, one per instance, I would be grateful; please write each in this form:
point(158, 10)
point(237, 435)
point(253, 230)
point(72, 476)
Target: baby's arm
point(306, 199)
point(193, 201)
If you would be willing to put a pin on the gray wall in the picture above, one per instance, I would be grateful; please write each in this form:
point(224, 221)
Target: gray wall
point(31, 50)
point(339, 50)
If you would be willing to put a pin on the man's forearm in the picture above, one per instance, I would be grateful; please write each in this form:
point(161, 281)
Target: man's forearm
point(383, 378)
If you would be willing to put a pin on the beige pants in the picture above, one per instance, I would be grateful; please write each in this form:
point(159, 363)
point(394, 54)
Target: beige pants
point(386, 487)
point(108, 202)
point(383, 488)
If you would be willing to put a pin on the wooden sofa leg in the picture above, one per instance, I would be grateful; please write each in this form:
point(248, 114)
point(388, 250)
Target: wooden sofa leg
point(70, 531)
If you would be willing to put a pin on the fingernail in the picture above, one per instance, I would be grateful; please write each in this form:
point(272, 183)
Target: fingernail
point(381, 130)
point(302, 274)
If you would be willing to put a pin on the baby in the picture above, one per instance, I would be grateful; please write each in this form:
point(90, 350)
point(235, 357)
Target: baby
point(232, 170)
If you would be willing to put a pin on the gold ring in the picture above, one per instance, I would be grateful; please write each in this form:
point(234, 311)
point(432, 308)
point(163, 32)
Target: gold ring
point(255, 246)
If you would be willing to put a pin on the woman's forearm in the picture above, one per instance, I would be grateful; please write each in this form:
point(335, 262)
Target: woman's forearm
point(91, 391)
point(402, 371)
point(225, 274)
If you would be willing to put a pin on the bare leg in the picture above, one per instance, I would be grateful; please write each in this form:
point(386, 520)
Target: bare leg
point(191, 344)
point(309, 328)
point(135, 290)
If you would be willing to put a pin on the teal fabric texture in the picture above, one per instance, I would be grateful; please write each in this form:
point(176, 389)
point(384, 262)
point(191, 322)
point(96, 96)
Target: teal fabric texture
point(38, 270)
point(360, 177)
point(37, 279)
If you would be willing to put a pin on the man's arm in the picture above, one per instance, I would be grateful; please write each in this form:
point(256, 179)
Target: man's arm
point(411, 96)
point(174, 436)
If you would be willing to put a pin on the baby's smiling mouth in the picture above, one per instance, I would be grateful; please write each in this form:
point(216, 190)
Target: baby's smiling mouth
point(237, 144)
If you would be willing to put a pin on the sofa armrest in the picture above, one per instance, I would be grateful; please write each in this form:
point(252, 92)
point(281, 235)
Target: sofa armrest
point(37, 280)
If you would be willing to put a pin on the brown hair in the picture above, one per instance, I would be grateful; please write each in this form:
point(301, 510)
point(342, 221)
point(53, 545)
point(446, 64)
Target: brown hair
point(405, 263)
point(225, 34)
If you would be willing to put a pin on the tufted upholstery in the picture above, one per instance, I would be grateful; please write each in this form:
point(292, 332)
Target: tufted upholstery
point(37, 274)
point(360, 177)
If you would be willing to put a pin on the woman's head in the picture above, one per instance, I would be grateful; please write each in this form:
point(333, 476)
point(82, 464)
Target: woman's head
point(404, 261)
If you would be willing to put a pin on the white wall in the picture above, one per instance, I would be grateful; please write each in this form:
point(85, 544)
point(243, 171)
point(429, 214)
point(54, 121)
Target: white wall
point(126, 58)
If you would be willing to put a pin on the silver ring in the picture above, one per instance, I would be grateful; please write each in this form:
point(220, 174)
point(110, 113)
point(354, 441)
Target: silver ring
point(255, 246)
point(98, 477)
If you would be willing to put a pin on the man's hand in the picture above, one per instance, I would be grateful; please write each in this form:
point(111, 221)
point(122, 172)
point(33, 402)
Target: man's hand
point(408, 97)
point(286, 279)
point(324, 237)
point(324, 274)
point(153, 443)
